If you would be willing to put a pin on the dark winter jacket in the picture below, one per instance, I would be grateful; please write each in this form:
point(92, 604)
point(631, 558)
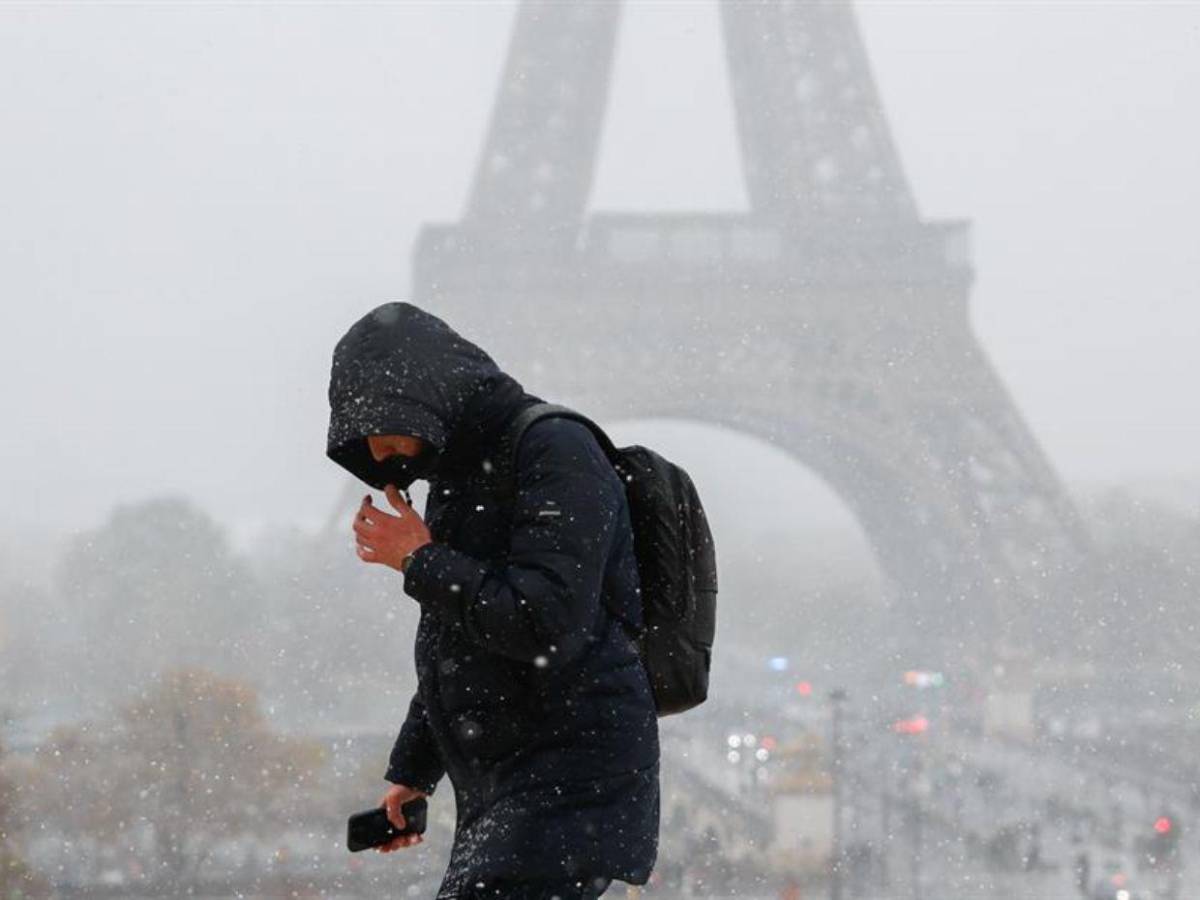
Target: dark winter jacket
point(530, 693)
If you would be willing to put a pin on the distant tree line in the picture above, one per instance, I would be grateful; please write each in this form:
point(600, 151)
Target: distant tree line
point(177, 668)
point(190, 674)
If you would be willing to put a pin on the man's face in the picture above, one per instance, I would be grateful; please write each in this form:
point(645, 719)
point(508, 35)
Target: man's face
point(385, 446)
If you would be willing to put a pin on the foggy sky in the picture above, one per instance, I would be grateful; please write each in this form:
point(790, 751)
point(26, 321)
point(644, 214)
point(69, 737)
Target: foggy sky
point(199, 200)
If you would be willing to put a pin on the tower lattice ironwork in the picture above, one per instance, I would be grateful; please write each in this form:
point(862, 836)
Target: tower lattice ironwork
point(830, 320)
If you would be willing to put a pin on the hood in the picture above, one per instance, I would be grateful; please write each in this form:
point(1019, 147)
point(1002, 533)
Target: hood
point(402, 370)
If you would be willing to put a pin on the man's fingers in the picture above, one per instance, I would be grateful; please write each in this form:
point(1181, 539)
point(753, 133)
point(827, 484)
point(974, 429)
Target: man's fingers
point(365, 529)
point(394, 497)
point(367, 553)
point(373, 515)
point(367, 514)
point(396, 843)
point(395, 816)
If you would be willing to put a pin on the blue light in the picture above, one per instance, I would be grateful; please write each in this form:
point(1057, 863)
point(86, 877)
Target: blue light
point(779, 663)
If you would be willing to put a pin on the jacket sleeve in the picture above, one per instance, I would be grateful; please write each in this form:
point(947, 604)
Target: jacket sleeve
point(540, 603)
point(415, 760)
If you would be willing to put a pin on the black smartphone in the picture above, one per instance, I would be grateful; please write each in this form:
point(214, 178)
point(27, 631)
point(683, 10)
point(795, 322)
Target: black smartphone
point(371, 828)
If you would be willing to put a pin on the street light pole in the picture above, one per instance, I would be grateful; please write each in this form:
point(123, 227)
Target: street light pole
point(917, 789)
point(836, 698)
point(885, 812)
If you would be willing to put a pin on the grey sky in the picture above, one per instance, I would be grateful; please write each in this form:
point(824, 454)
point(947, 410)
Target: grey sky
point(199, 199)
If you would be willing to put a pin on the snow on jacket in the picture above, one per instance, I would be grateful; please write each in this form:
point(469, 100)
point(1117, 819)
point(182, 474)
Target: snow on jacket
point(530, 696)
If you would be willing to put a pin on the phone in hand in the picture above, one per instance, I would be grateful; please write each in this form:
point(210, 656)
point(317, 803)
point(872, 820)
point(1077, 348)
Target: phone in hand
point(371, 828)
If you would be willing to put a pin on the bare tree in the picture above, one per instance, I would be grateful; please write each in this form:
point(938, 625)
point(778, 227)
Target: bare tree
point(189, 764)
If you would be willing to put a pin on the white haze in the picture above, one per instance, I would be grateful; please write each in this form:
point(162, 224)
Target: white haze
point(199, 199)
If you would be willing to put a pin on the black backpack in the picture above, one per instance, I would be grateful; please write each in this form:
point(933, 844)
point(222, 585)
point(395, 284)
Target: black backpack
point(676, 562)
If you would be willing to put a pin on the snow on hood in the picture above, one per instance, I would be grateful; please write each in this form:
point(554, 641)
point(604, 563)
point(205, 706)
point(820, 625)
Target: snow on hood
point(399, 370)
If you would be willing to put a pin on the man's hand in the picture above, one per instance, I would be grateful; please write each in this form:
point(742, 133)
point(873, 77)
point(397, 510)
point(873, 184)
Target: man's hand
point(397, 795)
point(384, 538)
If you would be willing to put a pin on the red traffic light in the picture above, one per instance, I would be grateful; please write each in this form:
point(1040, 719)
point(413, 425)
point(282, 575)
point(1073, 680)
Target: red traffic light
point(1162, 825)
point(915, 725)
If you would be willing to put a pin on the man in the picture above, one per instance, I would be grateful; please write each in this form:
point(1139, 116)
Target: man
point(530, 695)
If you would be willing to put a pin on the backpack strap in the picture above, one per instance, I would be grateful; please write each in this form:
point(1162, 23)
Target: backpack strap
point(510, 441)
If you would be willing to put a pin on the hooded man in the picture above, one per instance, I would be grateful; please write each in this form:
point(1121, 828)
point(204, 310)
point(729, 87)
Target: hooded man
point(530, 692)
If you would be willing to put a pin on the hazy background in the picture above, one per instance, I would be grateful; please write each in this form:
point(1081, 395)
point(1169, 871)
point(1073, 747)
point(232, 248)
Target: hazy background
point(196, 201)
point(199, 199)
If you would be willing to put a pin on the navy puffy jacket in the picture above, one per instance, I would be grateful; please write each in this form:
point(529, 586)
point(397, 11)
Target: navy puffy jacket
point(531, 697)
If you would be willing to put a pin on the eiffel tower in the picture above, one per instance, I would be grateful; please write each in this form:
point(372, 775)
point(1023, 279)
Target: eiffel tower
point(830, 320)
